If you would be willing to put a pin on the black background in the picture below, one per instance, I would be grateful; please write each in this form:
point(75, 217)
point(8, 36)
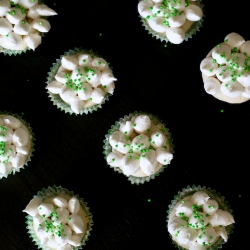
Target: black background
point(211, 146)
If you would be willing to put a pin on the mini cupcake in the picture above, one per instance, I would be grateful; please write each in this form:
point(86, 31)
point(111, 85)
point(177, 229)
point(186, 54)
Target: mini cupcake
point(16, 144)
point(80, 82)
point(58, 219)
point(199, 218)
point(22, 25)
point(226, 70)
point(171, 21)
point(138, 146)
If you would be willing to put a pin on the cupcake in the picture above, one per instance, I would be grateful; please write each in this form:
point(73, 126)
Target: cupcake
point(171, 21)
point(226, 70)
point(80, 82)
point(22, 25)
point(58, 219)
point(199, 218)
point(16, 144)
point(138, 146)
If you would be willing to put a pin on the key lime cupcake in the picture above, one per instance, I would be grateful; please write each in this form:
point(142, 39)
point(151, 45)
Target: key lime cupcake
point(226, 70)
point(139, 146)
point(58, 219)
point(173, 21)
point(23, 23)
point(16, 143)
point(80, 82)
point(199, 218)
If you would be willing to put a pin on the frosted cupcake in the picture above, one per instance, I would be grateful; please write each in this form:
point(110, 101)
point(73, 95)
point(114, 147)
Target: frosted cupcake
point(199, 218)
point(138, 146)
point(58, 219)
point(22, 25)
point(226, 70)
point(80, 82)
point(171, 21)
point(16, 144)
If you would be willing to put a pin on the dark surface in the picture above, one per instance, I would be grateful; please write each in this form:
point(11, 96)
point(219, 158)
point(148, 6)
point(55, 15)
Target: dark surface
point(211, 147)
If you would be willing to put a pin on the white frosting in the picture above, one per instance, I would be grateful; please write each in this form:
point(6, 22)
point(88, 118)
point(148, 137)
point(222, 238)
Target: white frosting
point(175, 35)
point(114, 158)
point(226, 69)
point(212, 85)
point(193, 13)
point(148, 162)
point(22, 22)
point(82, 80)
point(130, 163)
point(140, 142)
point(127, 128)
point(208, 66)
point(142, 123)
point(59, 222)
point(163, 156)
point(33, 40)
point(15, 144)
point(196, 222)
point(137, 150)
point(171, 19)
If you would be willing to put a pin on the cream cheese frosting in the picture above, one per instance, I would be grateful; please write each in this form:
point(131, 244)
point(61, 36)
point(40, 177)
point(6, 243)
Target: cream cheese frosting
point(170, 19)
point(226, 70)
point(196, 222)
point(15, 144)
point(22, 23)
point(139, 147)
point(58, 222)
point(82, 80)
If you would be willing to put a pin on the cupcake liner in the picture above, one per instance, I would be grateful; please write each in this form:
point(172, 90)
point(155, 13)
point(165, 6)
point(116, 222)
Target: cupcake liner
point(56, 99)
point(12, 52)
point(49, 192)
point(192, 30)
point(107, 147)
point(223, 204)
point(32, 146)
